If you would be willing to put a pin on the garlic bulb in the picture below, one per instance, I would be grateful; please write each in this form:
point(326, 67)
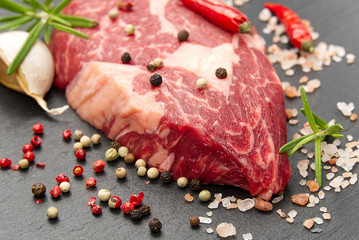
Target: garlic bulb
point(36, 73)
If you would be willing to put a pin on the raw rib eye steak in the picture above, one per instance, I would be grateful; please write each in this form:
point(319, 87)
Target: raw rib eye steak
point(228, 133)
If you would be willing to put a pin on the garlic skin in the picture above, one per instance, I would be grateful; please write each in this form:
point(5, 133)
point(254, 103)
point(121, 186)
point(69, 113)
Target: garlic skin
point(36, 73)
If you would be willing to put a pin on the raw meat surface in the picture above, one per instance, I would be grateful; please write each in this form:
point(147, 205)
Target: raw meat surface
point(228, 133)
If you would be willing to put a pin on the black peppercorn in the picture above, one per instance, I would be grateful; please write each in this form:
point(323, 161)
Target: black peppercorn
point(166, 177)
point(115, 145)
point(136, 215)
point(150, 67)
point(194, 221)
point(126, 58)
point(38, 189)
point(155, 225)
point(221, 73)
point(195, 185)
point(156, 80)
point(145, 210)
point(182, 35)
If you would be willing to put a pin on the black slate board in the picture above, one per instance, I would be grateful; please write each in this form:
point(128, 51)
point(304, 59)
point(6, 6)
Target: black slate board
point(22, 218)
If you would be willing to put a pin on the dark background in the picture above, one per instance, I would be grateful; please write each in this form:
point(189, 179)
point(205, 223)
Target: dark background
point(22, 218)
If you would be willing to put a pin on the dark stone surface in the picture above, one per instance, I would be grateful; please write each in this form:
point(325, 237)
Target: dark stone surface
point(22, 218)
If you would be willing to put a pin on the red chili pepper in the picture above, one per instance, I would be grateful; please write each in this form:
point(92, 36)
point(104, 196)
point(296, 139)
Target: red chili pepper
point(136, 200)
point(298, 34)
point(222, 15)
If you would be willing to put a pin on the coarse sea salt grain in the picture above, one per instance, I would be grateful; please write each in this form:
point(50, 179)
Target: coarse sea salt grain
point(247, 236)
point(292, 214)
point(323, 209)
point(335, 183)
point(245, 205)
point(345, 184)
point(302, 182)
point(226, 230)
point(336, 142)
point(321, 194)
point(290, 220)
point(327, 188)
point(213, 205)
point(330, 175)
point(209, 230)
point(278, 199)
point(345, 108)
point(318, 220)
point(264, 15)
point(205, 220)
point(353, 179)
point(349, 137)
point(209, 214)
point(326, 216)
point(226, 202)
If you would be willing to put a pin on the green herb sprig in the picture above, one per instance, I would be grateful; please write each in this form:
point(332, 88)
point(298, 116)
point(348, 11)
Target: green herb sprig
point(320, 130)
point(41, 16)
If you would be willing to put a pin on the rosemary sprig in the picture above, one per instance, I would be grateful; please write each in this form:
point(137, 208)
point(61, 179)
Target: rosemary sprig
point(317, 124)
point(43, 16)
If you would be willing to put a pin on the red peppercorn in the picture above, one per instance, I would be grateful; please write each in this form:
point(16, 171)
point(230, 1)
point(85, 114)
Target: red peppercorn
point(99, 165)
point(38, 128)
point(91, 201)
point(5, 162)
point(80, 154)
point(91, 182)
point(40, 165)
point(62, 178)
point(128, 207)
point(36, 141)
point(30, 156)
point(137, 200)
point(114, 202)
point(15, 167)
point(38, 201)
point(96, 209)
point(66, 134)
point(55, 191)
point(78, 170)
point(27, 148)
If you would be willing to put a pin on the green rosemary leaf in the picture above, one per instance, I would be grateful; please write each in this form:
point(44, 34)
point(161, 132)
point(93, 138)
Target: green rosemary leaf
point(10, 18)
point(32, 25)
point(48, 3)
point(334, 129)
point(60, 20)
point(79, 21)
point(301, 143)
point(318, 162)
point(26, 47)
point(288, 146)
point(319, 121)
point(308, 111)
point(68, 30)
point(13, 6)
point(338, 135)
point(60, 6)
point(47, 34)
point(16, 22)
point(38, 5)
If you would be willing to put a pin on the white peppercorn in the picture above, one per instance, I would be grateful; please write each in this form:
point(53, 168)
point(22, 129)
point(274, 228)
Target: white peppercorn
point(52, 212)
point(158, 62)
point(141, 171)
point(78, 146)
point(104, 195)
point(121, 172)
point(96, 139)
point(153, 173)
point(65, 187)
point(77, 135)
point(130, 29)
point(113, 14)
point(182, 182)
point(123, 151)
point(140, 163)
point(201, 83)
point(85, 140)
point(24, 163)
point(204, 195)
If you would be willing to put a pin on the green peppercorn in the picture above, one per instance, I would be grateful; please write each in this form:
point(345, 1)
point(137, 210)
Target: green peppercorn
point(111, 154)
point(38, 189)
point(204, 195)
point(150, 67)
point(182, 35)
point(129, 158)
point(221, 73)
point(136, 215)
point(194, 221)
point(126, 58)
point(155, 225)
point(156, 80)
point(115, 145)
point(145, 210)
point(166, 177)
point(195, 185)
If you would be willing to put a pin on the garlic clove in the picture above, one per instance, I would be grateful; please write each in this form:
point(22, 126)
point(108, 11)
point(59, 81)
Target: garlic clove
point(36, 73)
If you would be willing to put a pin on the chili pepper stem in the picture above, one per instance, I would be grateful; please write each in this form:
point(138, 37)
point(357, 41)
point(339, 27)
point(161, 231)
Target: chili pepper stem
point(308, 46)
point(245, 27)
